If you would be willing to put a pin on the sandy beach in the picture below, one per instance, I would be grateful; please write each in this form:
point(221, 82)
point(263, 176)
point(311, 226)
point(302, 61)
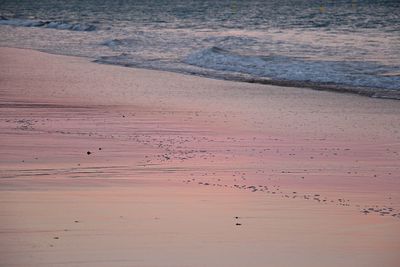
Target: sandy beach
point(111, 166)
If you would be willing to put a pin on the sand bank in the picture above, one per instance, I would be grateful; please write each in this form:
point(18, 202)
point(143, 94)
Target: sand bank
point(312, 177)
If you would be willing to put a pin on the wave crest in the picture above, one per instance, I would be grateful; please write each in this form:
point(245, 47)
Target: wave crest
point(59, 25)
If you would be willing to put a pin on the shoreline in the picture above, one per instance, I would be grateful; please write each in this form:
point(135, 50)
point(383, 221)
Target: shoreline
point(378, 93)
point(112, 165)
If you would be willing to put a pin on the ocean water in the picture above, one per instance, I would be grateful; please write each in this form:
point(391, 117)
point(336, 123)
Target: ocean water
point(336, 44)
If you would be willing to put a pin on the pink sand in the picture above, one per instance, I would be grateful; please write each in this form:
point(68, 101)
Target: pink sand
point(313, 177)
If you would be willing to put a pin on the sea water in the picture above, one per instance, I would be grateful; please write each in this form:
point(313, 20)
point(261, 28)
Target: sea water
point(343, 43)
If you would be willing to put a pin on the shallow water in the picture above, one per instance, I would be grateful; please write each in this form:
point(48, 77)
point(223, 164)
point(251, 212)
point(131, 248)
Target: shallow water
point(343, 43)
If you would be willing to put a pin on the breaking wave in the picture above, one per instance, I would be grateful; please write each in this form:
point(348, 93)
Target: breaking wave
point(283, 68)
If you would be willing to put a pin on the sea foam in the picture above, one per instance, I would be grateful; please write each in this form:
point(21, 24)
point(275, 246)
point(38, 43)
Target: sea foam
point(352, 73)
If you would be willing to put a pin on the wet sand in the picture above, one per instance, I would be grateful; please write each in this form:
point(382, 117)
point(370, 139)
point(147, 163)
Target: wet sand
point(110, 166)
